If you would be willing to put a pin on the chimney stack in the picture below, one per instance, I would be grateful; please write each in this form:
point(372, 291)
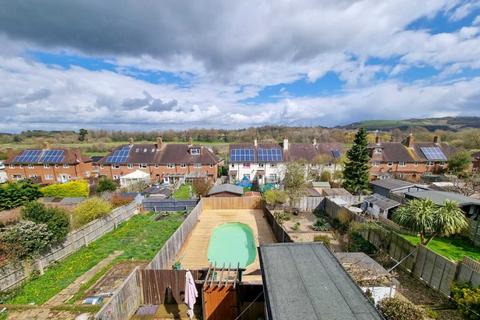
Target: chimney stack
point(436, 139)
point(314, 141)
point(377, 137)
point(409, 142)
point(255, 142)
point(46, 145)
point(130, 141)
point(159, 143)
point(190, 141)
point(285, 144)
point(9, 153)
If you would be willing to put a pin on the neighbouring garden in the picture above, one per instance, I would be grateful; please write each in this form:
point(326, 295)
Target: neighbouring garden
point(140, 238)
point(183, 192)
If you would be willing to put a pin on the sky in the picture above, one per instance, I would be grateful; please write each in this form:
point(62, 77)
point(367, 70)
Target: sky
point(175, 64)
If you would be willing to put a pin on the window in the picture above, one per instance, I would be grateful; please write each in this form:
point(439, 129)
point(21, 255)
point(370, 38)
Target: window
point(17, 177)
point(261, 165)
point(20, 165)
point(378, 150)
point(197, 165)
point(246, 165)
point(375, 164)
point(142, 165)
point(390, 163)
point(56, 166)
point(211, 166)
point(430, 163)
point(130, 165)
point(273, 165)
point(46, 165)
point(195, 151)
point(101, 166)
point(115, 177)
point(115, 166)
point(246, 176)
point(30, 166)
point(65, 165)
point(183, 165)
point(145, 150)
point(12, 166)
point(171, 165)
point(416, 164)
point(33, 176)
point(273, 177)
point(401, 163)
point(48, 177)
point(157, 165)
point(233, 165)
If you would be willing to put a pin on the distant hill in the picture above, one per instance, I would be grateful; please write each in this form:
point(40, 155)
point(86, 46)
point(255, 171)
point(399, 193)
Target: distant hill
point(431, 124)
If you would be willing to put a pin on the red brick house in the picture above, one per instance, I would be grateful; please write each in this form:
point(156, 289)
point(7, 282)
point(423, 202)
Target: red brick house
point(408, 160)
point(164, 162)
point(47, 165)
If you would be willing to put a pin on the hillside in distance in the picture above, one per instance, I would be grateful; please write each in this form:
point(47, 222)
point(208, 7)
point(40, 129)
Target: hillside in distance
point(431, 124)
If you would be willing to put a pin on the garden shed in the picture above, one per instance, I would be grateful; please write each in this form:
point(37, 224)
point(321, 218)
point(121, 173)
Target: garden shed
point(226, 190)
point(378, 205)
point(134, 177)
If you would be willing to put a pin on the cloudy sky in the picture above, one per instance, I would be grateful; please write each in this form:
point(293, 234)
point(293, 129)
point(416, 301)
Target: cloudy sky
point(146, 65)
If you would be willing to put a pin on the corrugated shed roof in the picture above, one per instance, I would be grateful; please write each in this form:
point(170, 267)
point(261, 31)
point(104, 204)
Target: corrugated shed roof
point(382, 202)
point(305, 281)
point(439, 197)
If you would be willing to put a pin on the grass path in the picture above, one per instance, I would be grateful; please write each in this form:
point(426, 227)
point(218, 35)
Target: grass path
point(140, 238)
point(452, 248)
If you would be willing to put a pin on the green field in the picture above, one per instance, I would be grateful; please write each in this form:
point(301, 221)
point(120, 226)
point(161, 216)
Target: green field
point(140, 238)
point(452, 248)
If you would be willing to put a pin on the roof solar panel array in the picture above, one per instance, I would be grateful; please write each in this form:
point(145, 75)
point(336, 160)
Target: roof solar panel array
point(433, 154)
point(119, 156)
point(40, 156)
point(270, 155)
point(335, 153)
point(242, 155)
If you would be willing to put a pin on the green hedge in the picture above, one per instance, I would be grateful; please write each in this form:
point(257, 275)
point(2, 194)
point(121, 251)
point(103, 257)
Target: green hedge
point(15, 194)
point(70, 189)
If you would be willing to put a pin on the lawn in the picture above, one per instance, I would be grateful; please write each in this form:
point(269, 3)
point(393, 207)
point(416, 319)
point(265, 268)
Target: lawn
point(140, 238)
point(182, 193)
point(452, 248)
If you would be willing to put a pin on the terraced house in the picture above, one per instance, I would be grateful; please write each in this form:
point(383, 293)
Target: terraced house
point(48, 165)
point(408, 160)
point(163, 162)
point(266, 162)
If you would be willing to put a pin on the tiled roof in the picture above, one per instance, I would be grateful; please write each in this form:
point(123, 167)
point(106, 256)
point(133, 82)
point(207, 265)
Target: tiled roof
point(168, 153)
point(71, 156)
point(398, 152)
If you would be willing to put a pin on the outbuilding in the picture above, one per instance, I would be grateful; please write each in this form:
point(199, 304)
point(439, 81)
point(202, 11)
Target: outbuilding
point(226, 190)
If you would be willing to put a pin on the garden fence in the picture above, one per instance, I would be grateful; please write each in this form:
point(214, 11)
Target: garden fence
point(156, 205)
point(280, 234)
point(436, 271)
point(13, 275)
point(308, 203)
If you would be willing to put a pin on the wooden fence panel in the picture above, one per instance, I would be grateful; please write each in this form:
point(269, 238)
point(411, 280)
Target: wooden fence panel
point(308, 203)
point(13, 275)
point(222, 203)
point(280, 234)
point(469, 272)
point(125, 301)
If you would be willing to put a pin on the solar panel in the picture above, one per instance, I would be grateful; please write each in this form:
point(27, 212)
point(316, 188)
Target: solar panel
point(28, 156)
point(119, 156)
point(433, 153)
point(270, 155)
point(242, 155)
point(335, 154)
point(52, 156)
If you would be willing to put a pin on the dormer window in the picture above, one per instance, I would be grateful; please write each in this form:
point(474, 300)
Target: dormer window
point(137, 149)
point(145, 150)
point(378, 150)
point(195, 151)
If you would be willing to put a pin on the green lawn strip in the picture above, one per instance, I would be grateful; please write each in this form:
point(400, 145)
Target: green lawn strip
point(182, 193)
point(140, 238)
point(451, 248)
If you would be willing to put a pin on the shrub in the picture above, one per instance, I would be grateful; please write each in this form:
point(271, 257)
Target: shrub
point(467, 300)
point(325, 176)
point(201, 187)
point(56, 219)
point(282, 216)
point(118, 201)
point(275, 197)
point(90, 210)
point(15, 194)
point(321, 225)
point(397, 309)
point(322, 238)
point(296, 226)
point(358, 244)
point(105, 184)
point(26, 239)
point(70, 189)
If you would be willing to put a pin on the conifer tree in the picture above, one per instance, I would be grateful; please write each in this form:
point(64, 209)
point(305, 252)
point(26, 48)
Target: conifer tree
point(356, 171)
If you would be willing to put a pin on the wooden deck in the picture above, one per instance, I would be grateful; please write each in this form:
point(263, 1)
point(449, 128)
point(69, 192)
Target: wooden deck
point(193, 254)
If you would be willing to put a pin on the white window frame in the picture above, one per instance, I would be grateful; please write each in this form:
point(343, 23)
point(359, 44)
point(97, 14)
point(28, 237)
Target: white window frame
point(66, 165)
point(197, 165)
point(273, 165)
point(401, 163)
point(142, 165)
point(261, 165)
point(183, 165)
point(211, 166)
point(48, 177)
point(157, 165)
point(390, 163)
point(130, 165)
point(171, 165)
point(101, 166)
point(247, 165)
point(31, 166)
point(115, 166)
point(430, 163)
point(233, 165)
point(195, 151)
point(115, 177)
point(375, 164)
point(11, 166)
point(46, 166)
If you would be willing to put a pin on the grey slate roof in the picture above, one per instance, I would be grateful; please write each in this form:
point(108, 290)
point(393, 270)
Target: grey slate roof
point(305, 281)
point(392, 184)
point(231, 188)
point(439, 197)
point(382, 202)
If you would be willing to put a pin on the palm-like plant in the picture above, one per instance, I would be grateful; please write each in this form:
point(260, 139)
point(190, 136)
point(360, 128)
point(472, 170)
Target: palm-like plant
point(428, 220)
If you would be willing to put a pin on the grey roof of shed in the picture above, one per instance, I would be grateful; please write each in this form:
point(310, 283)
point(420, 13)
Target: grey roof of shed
point(382, 202)
point(306, 281)
point(392, 184)
point(439, 197)
point(231, 188)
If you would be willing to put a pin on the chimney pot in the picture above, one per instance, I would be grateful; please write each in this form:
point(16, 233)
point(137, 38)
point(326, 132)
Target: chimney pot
point(314, 141)
point(436, 139)
point(190, 141)
point(159, 143)
point(410, 141)
point(255, 142)
point(130, 141)
point(46, 145)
